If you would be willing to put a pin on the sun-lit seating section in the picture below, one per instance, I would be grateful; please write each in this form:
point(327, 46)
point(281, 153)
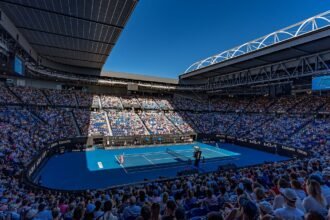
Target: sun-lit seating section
point(126, 123)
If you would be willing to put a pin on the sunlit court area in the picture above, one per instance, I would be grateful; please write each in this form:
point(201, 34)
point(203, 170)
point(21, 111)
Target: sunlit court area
point(100, 168)
point(164, 110)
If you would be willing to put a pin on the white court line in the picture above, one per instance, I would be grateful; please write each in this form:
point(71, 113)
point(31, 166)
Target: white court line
point(234, 153)
point(156, 153)
point(100, 164)
point(138, 154)
point(167, 158)
point(148, 159)
point(142, 170)
point(217, 152)
point(122, 166)
point(117, 159)
point(161, 153)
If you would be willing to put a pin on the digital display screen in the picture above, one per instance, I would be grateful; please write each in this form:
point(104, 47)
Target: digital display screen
point(18, 66)
point(321, 83)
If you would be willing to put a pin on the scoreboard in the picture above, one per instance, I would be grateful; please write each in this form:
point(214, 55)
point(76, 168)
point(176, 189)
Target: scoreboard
point(321, 83)
point(18, 66)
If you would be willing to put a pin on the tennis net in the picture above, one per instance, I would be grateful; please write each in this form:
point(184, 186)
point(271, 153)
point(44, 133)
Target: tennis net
point(178, 155)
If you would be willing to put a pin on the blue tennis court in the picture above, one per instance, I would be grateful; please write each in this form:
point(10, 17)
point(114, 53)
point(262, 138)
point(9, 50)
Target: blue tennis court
point(99, 168)
point(182, 155)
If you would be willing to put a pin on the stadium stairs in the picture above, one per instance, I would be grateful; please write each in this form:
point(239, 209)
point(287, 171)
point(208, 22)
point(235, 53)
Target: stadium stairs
point(294, 106)
point(238, 116)
point(320, 107)
point(75, 97)
point(76, 123)
point(14, 94)
point(160, 108)
point(121, 103)
point(37, 117)
point(232, 124)
point(261, 125)
point(301, 127)
point(269, 106)
point(192, 123)
point(99, 101)
point(173, 123)
point(137, 99)
point(44, 93)
point(144, 125)
point(108, 123)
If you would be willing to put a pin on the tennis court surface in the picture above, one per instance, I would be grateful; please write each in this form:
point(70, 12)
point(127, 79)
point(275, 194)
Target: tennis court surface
point(180, 155)
point(99, 168)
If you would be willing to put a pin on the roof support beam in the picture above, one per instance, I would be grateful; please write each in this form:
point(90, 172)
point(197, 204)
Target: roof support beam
point(59, 13)
point(285, 70)
point(68, 49)
point(303, 52)
point(70, 58)
point(63, 35)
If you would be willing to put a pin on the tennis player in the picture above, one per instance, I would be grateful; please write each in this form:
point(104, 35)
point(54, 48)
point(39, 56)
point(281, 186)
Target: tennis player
point(121, 159)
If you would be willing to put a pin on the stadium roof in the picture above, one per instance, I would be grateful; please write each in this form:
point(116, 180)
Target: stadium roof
point(306, 37)
point(138, 77)
point(74, 32)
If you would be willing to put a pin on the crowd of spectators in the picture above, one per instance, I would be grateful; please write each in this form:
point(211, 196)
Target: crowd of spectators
point(82, 117)
point(7, 97)
point(312, 135)
point(279, 129)
point(259, 104)
point(130, 102)
point(109, 101)
point(178, 120)
point(98, 124)
point(58, 120)
point(126, 123)
point(247, 123)
point(229, 104)
point(212, 122)
point(309, 105)
point(157, 123)
point(29, 95)
point(295, 189)
point(165, 103)
point(84, 99)
point(61, 97)
point(326, 106)
point(285, 103)
point(297, 104)
point(148, 103)
point(183, 103)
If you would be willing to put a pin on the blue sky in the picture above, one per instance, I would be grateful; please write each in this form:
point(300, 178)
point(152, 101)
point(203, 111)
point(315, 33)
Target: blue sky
point(164, 37)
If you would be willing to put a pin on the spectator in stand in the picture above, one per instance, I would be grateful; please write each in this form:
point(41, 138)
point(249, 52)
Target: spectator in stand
point(289, 211)
point(132, 210)
point(169, 213)
point(155, 211)
point(314, 202)
point(108, 215)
